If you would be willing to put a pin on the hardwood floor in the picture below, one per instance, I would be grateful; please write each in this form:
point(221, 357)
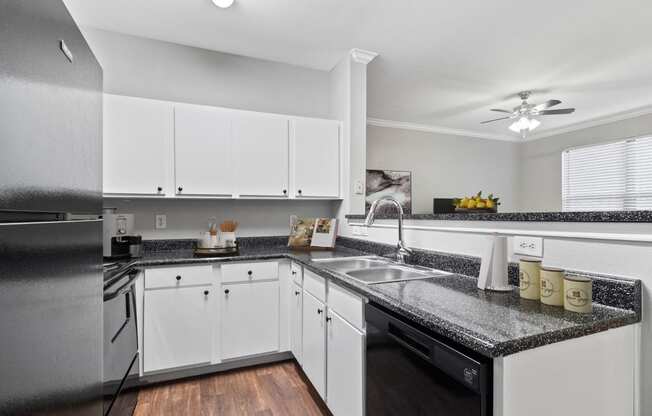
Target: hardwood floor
point(276, 389)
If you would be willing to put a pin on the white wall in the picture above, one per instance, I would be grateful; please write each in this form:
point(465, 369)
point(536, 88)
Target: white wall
point(446, 166)
point(167, 71)
point(526, 175)
point(540, 176)
point(187, 218)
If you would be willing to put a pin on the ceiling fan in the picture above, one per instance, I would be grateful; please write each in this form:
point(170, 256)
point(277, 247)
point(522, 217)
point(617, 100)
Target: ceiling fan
point(526, 113)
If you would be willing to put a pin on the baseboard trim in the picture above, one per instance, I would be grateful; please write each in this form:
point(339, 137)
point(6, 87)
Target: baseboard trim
point(177, 374)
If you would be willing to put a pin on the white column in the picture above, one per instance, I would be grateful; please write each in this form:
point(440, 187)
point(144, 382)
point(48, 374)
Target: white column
point(348, 86)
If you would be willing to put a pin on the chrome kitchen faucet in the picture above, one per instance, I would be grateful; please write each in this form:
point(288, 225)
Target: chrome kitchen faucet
point(403, 252)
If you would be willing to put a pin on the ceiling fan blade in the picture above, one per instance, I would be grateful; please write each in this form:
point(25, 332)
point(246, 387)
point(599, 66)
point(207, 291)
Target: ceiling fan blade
point(545, 105)
point(501, 111)
point(552, 112)
point(496, 119)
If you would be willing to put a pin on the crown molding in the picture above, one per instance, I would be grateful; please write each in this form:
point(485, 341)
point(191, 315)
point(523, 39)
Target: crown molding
point(594, 122)
point(438, 129)
point(362, 56)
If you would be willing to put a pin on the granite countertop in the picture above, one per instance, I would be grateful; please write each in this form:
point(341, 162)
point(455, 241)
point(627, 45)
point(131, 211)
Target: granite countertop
point(493, 324)
point(580, 216)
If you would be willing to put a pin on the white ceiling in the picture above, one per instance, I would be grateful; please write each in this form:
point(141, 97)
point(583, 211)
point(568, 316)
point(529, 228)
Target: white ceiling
point(442, 63)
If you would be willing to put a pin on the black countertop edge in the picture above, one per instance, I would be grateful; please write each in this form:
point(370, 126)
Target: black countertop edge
point(579, 216)
point(603, 318)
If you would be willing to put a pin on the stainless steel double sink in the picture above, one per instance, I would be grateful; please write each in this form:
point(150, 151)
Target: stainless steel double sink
point(373, 270)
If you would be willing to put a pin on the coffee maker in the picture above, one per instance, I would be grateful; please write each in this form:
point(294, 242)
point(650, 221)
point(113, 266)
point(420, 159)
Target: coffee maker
point(119, 240)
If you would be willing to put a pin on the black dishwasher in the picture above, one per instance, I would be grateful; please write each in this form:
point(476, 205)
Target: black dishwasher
point(410, 372)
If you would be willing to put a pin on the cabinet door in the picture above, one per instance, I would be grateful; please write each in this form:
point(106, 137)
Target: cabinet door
point(261, 148)
point(316, 158)
point(137, 134)
point(314, 342)
point(177, 327)
point(345, 370)
point(250, 319)
point(296, 309)
point(202, 151)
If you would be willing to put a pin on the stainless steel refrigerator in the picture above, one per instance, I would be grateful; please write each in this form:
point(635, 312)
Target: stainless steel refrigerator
point(50, 198)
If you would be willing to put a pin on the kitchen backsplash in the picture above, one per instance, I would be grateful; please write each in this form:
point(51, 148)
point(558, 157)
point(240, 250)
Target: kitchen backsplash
point(186, 218)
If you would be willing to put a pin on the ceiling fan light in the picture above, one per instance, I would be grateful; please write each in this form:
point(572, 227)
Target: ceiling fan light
point(534, 123)
point(523, 123)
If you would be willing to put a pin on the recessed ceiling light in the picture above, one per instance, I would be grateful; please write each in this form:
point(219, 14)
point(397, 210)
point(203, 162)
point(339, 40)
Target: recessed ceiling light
point(223, 3)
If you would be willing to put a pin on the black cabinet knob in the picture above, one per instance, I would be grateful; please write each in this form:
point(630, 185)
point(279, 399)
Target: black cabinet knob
point(178, 277)
point(299, 191)
point(294, 272)
point(205, 292)
point(180, 188)
point(226, 291)
point(285, 191)
point(297, 293)
point(319, 310)
point(328, 319)
point(250, 272)
point(159, 189)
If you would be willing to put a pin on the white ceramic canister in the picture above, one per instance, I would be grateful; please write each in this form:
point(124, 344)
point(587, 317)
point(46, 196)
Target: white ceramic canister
point(552, 286)
point(578, 294)
point(204, 240)
point(529, 278)
point(228, 239)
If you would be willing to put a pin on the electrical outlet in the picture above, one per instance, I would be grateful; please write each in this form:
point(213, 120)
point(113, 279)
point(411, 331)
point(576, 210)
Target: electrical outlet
point(358, 188)
point(529, 246)
point(360, 231)
point(161, 221)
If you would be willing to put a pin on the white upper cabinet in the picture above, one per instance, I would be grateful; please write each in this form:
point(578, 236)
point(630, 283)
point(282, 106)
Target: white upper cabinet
point(316, 158)
point(261, 154)
point(202, 151)
point(160, 148)
point(137, 137)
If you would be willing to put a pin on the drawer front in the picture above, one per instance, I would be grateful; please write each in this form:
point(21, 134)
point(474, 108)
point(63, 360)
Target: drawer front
point(346, 304)
point(178, 276)
point(315, 285)
point(244, 272)
point(297, 273)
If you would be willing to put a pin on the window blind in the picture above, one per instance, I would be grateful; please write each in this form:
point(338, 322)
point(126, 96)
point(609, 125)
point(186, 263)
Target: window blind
point(608, 177)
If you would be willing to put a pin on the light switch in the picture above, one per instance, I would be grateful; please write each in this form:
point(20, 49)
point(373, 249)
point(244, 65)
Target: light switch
point(161, 221)
point(529, 246)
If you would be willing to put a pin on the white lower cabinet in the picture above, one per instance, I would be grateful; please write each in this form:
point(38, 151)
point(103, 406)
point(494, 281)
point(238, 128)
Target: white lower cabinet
point(313, 352)
point(333, 346)
point(345, 367)
point(250, 318)
point(177, 325)
point(296, 305)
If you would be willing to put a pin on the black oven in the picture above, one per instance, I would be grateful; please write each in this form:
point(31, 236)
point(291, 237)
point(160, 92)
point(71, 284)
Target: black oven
point(121, 364)
point(412, 372)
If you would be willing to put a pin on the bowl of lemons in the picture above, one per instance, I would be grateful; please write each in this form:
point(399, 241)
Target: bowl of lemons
point(477, 203)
